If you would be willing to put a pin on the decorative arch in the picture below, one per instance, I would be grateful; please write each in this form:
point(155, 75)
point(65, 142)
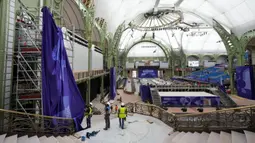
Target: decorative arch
point(222, 59)
point(106, 43)
point(73, 15)
point(96, 36)
point(246, 38)
point(161, 46)
point(195, 56)
point(207, 56)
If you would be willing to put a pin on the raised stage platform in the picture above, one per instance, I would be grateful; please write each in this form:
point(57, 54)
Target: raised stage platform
point(189, 99)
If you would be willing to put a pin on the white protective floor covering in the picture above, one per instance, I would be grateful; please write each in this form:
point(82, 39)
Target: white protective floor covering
point(186, 94)
point(140, 131)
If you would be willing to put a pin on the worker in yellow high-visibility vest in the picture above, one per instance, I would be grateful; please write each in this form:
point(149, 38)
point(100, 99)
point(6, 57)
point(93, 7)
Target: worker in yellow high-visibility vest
point(122, 114)
point(88, 114)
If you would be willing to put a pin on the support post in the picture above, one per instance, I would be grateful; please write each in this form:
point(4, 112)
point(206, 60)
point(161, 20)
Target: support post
point(102, 86)
point(90, 73)
point(231, 74)
point(3, 9)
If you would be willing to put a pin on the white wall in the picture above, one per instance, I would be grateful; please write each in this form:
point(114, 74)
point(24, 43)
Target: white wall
point(130, 65)
point(146, 49)
point(209, 64)
point(222, 60)
point(96, 59)
point(163, 65)
point(80, 58)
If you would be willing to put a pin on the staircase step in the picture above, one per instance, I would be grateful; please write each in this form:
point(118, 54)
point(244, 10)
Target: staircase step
point(61, 140)
point(214, 138)
point(2, 137)
point(225, 137)
point(34, 139)
point(170, 137)
point(69, 140)
point(194, 138)
point(47, 140)
point(178, 137)
point(186, 138)
point(23, 139)
point(42, 138)
point(74, 139)
point(52, 140)
point(250, 136)
point(238, 137)
point(203, 137)
point(11, 139)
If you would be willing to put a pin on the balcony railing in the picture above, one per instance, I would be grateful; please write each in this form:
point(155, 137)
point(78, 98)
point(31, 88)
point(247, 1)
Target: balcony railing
point(226, 119)
point(84, 75)
point(20, 123)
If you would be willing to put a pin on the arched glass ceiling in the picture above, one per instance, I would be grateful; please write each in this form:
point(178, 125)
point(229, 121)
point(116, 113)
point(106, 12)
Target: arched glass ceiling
point(237, 15)
point(195, 41)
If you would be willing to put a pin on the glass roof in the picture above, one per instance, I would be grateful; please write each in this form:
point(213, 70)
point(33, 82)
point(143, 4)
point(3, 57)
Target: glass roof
point(195, 41)
point(237, 15)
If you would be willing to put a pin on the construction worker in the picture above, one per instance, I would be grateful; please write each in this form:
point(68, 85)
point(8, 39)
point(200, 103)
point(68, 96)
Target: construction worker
point(88, 114)
point(122, 114)
point(107, 116)
point(116, 109)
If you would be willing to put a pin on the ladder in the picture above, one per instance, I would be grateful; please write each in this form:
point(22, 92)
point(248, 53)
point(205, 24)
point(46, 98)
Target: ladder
point(27, 62)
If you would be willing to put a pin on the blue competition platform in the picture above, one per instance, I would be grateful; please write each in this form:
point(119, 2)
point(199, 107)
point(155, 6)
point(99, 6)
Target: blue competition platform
point(189, 99)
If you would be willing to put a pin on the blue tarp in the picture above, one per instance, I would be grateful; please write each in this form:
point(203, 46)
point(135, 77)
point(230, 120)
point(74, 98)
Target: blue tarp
point(112, 83)
point(60, 94)
point(145, 93)
point(245, 82)
point(147, 73)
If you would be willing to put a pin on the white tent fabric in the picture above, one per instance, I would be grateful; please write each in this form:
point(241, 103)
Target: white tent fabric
point(146, 49)
point(192, 42)
point(237, 15)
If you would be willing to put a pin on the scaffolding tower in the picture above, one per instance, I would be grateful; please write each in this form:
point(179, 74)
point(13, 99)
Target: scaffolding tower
point(27, 79)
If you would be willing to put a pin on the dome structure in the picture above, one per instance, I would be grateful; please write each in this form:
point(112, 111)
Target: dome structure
point(178, 24)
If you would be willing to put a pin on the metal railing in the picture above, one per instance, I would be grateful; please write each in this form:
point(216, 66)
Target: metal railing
point(33, 124)
point(81, 76)
point(222, 120)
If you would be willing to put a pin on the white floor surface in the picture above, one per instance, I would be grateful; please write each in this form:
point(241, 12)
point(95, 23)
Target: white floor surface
point(140, 131)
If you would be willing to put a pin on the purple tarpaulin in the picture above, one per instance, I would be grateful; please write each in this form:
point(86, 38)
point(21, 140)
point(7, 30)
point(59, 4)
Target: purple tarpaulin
point(180, 101)
point(112, 83)
point(60, 94)
point(148, 72)
point(244, 82)
point(145, 93)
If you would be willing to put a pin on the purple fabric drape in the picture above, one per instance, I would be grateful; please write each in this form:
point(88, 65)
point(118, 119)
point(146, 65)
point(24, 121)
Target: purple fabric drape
point(60, 94)
point(245, 82)
point(145, 93)
point(112, 83)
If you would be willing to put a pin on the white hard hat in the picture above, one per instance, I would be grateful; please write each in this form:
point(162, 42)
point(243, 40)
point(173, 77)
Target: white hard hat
point(108, 103)
point(91, 103)
point(122, 104)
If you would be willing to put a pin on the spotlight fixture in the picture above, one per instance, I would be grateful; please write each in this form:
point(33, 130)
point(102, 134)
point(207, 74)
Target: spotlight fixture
point(184, 109)
point(200, 109)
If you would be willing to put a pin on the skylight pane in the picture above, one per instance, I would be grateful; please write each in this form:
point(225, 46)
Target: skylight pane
point(246, 13)
point(208, 10)
point(235, 17)
point(191, 4)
